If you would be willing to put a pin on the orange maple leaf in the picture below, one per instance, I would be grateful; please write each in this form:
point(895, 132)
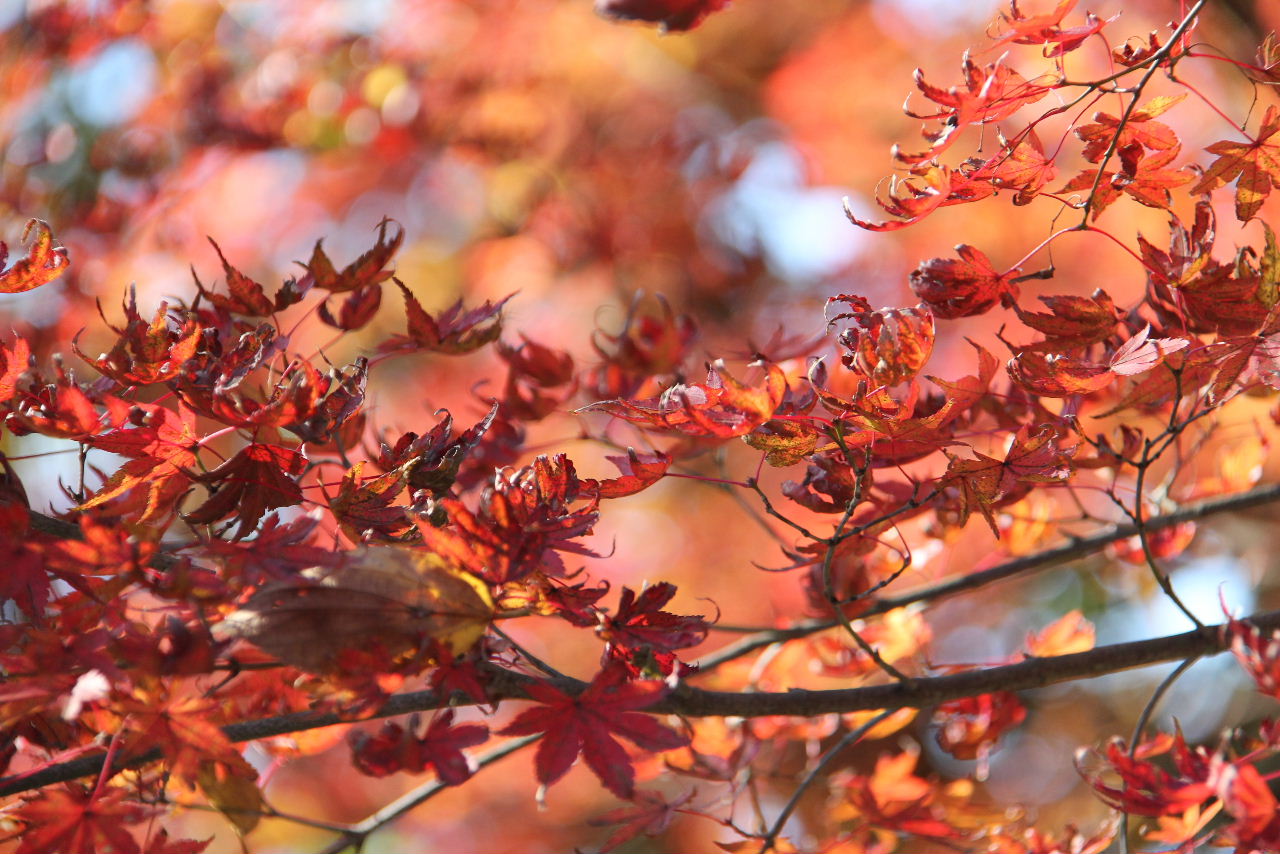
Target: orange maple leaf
point(162, 452)
point(1256, 164)
point(46, 260)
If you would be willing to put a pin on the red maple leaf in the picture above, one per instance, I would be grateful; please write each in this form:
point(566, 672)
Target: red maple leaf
point(1038, 455)
point(331, 404)
point(1247, 797)
point(639, 629)
point(587, 725)
point(363, 506)
point(1058, 375)
point(1244, 359)
point(1189, 369)
point(433, 459)
point(25, 581)
point(279, 550)
point(46, 260)
point(1146, 787)
point(1020, 165)
point(358, 308)
point(1143, 177)
point(533, 371)
point(909, 198)
point(183, 727)
point(452, 331)
point(650, 814)
point(523, 520)
point(294, 399)
point(970, 727)
point(889, 346)
point(1258, 653)
point(70, 818)
point(893, 797)
point(648, 345)
point(1255, 164)
point(1072, 322)
point(64, 409)
point(639, 472)
point(989, 93)
point(1047, 29)
point(1140, 353)
point(962, 287)
point(369, 269)
point(1137, 50)
point(162, 844)
point(394, 748)
point(258, 478)
point(458, 675)
point(13, 362)
point(247, 297)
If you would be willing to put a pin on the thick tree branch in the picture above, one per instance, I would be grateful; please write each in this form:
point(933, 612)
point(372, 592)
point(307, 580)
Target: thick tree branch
point(64, 530)
point(695, 702)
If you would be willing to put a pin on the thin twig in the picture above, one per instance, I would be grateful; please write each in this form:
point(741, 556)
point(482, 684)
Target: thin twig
point(828, 558)
point(1074, 549)
point(1141, 724)
point(528, 656)
point(355, 835)
point(850, 738)
point(1155, 60)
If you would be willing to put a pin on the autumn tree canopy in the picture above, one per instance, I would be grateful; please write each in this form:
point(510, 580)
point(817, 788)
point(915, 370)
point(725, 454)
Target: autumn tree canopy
point(623, 429)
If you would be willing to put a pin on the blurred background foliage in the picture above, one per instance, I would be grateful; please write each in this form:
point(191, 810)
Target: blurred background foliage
point(531, 146)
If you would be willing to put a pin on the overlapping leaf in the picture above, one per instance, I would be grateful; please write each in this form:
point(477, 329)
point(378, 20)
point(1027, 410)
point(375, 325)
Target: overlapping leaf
point(452, 331)
point(590, 724)
point(394, 748)
point(394, 599)
point(720, 408)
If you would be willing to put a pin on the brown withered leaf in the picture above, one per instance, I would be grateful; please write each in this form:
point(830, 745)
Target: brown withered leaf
point(232, 789)
point(396, 599)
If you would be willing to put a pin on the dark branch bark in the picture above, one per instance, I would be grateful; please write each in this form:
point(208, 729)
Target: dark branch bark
point(695, 702)
point(64, 530)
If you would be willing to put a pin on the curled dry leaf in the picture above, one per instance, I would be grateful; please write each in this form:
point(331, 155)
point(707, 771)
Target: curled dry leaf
point(398, 599)
point(46, 260)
